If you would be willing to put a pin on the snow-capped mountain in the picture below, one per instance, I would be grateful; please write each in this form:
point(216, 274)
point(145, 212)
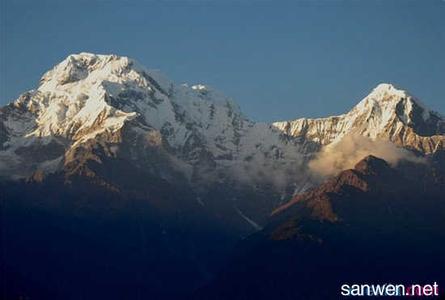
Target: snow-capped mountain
point(89, 100)
point(91, 107)
point(386, 113)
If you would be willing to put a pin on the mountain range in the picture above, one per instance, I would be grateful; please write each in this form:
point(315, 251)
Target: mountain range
point(107, 156)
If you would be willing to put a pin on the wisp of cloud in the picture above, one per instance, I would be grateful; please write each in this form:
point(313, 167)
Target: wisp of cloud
point(345, 153)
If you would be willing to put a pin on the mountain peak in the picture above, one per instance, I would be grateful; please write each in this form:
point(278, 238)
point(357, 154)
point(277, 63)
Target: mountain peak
point(387, 113)
point(77, 67)
point(370, 173)
point(371, 165)
point(385, 96)
point(387, 89)
point(115, 103)
point(393, 105)
point(395, 100)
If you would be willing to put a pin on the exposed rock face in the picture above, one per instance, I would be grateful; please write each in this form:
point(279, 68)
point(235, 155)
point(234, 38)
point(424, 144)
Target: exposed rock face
point(362, 226)
point(372, 191)
point(387, 113)
point(371, 173)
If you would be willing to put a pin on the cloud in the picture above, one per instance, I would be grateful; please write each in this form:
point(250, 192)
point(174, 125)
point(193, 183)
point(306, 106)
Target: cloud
point(261, 171)
point(351, 149)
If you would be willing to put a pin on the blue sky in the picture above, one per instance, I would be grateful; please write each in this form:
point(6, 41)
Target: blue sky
point(278, 60)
